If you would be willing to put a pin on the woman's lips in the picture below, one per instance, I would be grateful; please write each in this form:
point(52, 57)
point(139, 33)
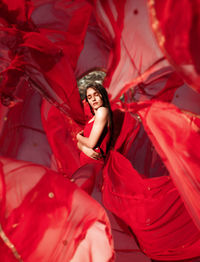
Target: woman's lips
point(94, 104)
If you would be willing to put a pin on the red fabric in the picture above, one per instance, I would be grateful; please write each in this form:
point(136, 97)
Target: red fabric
point(22, 135)
point(134, 56)
point(43, 55)
point(178, 148)
point(41, 43)
point(96, 51)
point(61, 133)
point(101, 148)
point(153, 207)
point(32, 193)
point(179, 38)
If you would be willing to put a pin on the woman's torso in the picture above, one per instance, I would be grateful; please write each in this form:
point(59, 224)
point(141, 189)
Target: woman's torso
point(101, 146)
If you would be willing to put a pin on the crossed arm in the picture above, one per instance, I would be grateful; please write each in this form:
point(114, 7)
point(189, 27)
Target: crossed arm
point(87, 144)
point(89, 151)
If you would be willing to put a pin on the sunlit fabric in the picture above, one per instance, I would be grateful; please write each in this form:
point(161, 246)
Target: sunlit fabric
point(62, 138)
point(150, 177)
point(135, 53)
point(149, 202)
point(179, 38)
point(178, 148)
point(71, 223)
point(39, 53)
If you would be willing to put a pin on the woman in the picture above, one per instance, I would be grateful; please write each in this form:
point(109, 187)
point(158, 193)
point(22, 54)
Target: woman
point(94, 140)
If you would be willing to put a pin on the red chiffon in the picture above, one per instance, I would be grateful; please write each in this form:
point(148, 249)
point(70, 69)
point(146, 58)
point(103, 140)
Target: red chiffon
point(178, 149)
point(61, 134)
point(179, 38)
point(134, 56)
point(153, 207)
point(41, 53)
point(69, 220)
point(151, 176)
point(101, 147)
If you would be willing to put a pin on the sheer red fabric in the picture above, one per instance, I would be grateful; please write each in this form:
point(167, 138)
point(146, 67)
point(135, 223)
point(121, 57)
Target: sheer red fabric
point(41, 49)
point(178, 38)
point(178, 148)
point(61, 133)
point(151, 176)
point(70, 222)
point(154, 207)
point(126, 27)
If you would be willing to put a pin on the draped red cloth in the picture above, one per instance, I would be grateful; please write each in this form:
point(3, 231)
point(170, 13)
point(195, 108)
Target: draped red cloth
point(61, 133)
point(154, 206)
point(134, 56)
point(178, 149)
point(178, 38)
point(41, 51)
point(68, 217)
point(40, 56)
point(151, 176)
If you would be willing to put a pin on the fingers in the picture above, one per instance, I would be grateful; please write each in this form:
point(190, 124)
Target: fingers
point(97, 156)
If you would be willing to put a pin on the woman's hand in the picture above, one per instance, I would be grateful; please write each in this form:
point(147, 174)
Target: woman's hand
point(91, 153)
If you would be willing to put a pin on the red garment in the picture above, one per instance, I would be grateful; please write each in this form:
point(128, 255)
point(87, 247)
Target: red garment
point(44, 52)
point(61, 133)
point(89, 175)
point(101, 147)
point(47, 218)
point(178, 148)
point(40, 45)
point(179, 39)
point(153, 207)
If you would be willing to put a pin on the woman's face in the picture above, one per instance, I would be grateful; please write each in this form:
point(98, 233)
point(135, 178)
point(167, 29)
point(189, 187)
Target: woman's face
point(94, 98)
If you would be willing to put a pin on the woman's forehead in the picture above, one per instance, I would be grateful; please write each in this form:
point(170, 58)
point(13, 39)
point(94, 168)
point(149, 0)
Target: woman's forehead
point(92, 90)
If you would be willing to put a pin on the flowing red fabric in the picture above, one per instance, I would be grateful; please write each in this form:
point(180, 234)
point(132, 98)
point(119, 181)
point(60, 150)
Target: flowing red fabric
point(178, 148)
point(61, 133)
point(152, 206)
point(68, 217)
point(151, 176)
point(135, 56)
point(41, 53)
point(179, 38)
point(22, 135)
point(96, 51)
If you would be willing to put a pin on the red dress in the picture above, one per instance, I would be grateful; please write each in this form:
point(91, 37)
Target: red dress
point(163, 210)
point(90, 172)
point(101, 146)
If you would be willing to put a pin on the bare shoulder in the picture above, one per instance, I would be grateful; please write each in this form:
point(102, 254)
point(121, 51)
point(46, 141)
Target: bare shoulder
point(102, 112)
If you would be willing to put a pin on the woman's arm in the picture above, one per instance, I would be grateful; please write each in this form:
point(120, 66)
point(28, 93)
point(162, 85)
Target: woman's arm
point(101, 119)
point(89, 151)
